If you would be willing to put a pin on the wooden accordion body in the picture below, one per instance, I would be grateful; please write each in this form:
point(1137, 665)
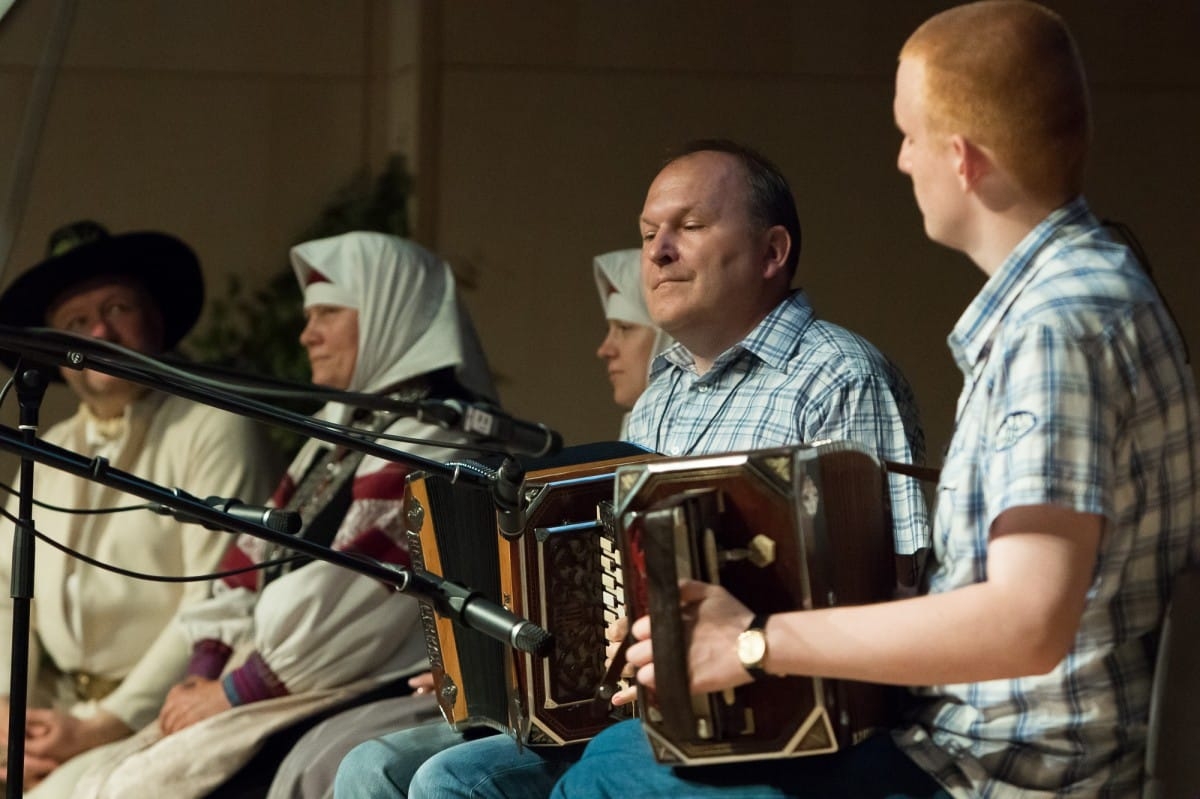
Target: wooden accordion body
point(558, 572)
point(782, 529)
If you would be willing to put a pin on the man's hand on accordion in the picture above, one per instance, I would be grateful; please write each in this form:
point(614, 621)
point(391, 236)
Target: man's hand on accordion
point(618, 671)
point(714, 619)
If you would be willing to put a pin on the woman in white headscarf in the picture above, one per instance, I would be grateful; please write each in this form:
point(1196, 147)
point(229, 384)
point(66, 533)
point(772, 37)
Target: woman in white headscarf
point(307, 773)
point(632, 341)
point(271, 650)
point(391, 747)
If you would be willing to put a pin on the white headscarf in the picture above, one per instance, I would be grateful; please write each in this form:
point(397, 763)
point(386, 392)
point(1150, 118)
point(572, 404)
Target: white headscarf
point(619, 280)
point(410, 322)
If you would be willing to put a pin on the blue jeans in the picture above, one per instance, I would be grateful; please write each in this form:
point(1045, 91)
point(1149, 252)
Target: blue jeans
point(618, 764)
point(382, 768)
point(493, 768)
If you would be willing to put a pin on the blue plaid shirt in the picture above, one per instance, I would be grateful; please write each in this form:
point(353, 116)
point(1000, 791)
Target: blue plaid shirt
point(794, 379)
point(1076, 394)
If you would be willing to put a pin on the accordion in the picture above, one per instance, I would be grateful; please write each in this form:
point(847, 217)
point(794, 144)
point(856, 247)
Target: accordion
point(560, 571)
point(782, 529)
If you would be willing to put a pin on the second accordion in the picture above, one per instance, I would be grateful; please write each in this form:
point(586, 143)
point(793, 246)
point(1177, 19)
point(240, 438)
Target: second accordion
point(796, 528)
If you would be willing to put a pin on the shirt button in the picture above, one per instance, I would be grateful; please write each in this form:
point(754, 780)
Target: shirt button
point(704, 389)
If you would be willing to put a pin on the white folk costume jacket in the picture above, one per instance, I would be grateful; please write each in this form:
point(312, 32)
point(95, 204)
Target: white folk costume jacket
point(111, 627)
point(319, 635)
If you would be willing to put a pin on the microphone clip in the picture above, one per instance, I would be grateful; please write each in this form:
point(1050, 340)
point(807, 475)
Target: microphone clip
point(487, 424)
point(508, 495)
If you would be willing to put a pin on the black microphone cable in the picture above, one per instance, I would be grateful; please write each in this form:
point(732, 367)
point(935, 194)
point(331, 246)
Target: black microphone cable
point(154, 578)
point(80, 511)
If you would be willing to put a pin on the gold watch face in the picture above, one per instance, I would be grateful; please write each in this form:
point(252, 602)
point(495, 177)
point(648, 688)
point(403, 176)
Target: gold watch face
point(752, 648)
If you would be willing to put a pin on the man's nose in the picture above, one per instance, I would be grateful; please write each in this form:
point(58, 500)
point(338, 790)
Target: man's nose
point(661, 248)
point(102, 329)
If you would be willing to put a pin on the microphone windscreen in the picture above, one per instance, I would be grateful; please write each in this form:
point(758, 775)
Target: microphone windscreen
point(531, 638)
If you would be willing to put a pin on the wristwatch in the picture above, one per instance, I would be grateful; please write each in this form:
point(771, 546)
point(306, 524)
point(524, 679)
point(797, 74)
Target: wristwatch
point(752, 646)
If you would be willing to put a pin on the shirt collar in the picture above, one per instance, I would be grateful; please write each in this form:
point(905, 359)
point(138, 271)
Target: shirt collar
point(773, 340)
point(971, 337)
point(99, 432)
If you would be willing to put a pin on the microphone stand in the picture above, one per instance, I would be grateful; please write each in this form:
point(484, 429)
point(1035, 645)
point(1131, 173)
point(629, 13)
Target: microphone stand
point(76, 352)
point(31, 387)
point(450, 599)
point(425, 585)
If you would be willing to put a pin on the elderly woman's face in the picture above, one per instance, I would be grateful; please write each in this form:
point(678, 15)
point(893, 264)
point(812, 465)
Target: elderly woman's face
point(331, 338)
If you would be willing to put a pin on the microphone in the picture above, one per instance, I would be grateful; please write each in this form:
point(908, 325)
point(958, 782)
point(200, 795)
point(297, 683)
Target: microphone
point(491, 619)
point(509, 498)
point(277, 519)
point(473, 610)
point(488, 422)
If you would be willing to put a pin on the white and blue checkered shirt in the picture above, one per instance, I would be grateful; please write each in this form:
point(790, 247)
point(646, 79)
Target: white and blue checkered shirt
point(1076, 394)
point(794, 379)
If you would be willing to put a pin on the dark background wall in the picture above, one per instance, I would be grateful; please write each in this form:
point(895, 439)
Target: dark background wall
point(533, 128)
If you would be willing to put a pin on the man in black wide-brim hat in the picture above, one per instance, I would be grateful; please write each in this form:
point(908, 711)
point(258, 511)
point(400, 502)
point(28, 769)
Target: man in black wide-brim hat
point(104, 651)
point(141, 290)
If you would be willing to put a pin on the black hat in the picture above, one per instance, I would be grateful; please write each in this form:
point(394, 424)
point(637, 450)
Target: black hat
point(81, 251)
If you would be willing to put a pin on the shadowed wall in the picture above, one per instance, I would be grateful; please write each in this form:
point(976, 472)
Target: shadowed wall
point(534, 127)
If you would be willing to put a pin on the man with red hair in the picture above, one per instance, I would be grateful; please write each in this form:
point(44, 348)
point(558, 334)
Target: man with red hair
point(1068, 499)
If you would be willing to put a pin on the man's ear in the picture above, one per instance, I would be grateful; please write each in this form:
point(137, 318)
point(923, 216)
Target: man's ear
point(778, 245)
point(971, 163)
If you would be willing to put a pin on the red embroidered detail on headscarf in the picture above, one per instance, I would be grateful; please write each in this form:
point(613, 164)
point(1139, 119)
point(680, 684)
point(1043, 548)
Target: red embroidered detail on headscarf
point(315, 277)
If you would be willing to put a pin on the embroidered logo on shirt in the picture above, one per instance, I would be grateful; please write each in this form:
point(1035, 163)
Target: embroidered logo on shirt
point(1013, 428)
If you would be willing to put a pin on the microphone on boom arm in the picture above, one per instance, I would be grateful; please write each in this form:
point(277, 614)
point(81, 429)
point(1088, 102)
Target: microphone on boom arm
point(277, 519)
point(488, 424)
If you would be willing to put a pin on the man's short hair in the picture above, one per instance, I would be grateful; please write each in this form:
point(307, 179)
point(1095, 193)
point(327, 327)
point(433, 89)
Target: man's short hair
point(1006, 74)
point(771, 201)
